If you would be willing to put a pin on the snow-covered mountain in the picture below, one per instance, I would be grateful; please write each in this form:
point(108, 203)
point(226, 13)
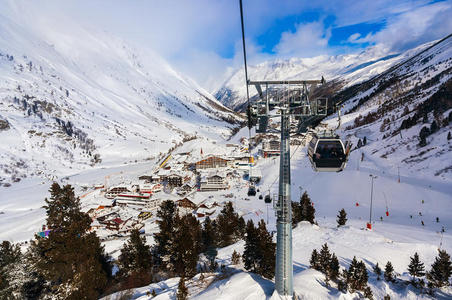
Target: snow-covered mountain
point(71, 97)
point(348, 69)
point(392, 109)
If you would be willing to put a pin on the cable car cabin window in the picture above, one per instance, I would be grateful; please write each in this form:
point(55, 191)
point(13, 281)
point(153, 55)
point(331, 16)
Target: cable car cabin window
point(329, 149)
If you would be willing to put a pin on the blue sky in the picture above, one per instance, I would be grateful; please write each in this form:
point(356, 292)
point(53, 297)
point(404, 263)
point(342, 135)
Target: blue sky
point(201, 38)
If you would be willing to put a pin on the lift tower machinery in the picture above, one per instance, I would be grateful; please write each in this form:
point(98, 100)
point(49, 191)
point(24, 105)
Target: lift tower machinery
point(289, 101)
point(291, 104)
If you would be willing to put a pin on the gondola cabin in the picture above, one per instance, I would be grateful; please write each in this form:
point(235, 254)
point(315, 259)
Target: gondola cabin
point(328, 153)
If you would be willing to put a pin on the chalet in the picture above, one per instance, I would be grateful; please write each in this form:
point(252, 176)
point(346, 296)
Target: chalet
point(113, 224)
point(146, 188)
point(174, 180)
point(146, 178)
point(213, 182)
point(115, 191)
point(136, 199)
point(212, 162)
point(271, 148)
point(186, 203)
point(187, 187)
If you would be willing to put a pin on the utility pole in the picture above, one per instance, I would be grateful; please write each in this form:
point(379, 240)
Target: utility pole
point(369, 225)
point(284, 268)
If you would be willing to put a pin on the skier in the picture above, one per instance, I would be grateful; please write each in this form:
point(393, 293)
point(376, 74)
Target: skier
point(422, 222)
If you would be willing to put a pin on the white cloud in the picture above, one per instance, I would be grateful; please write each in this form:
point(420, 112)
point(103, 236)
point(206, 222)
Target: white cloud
point(415, 27)
point(308, 40)
point(202, 37)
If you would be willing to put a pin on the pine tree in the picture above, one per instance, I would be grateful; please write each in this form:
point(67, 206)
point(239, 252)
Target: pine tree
point(341, 218)
point(208, 234)
point(389, 272)
point(182, 291)
point(307, 210)
point(267, 250)
point(434, 127)
point(314, 262)
point(377, 271)
point(342, 284)
point(241, 228)
point(360, 144)
point(296, 213)
point(252, 251)
point(71, 255)
point(368, 293)
point(334, 268)
point(185, 246)
point(357, 275)
point(228, 226)
point(364, 141)
point(10, 256)
point(135, 260)
point(362, 276)
point(235, 258)
point(449, 136)
point(416, 267)
point(441, 270)
point(324, 259)
point(163, 238)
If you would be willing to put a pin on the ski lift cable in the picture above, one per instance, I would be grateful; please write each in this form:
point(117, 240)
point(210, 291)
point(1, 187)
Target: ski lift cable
point(246, 79)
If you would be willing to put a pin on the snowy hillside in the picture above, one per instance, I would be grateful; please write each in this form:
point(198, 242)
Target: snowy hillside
point(391, 109)
point(346, 69)
point(71, 97)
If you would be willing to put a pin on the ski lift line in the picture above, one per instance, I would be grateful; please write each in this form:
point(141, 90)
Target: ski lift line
point(246, 79)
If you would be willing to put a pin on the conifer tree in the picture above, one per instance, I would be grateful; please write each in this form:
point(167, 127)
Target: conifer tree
point(252, 251)
point(434, 127)
point(241, 228)
point(208, 234)
point(163, 238)
point(334, 268)
point(235, 258)
point(377, 271)
point(368, 293)
point(267, 249)
point(365, 141)
point(296, 213)
point(307, 210)
point(441, 270)
point(416, 267)
point(185, 246)
point(360, 143)
point(228, 226)
point(389, 272)
point(314, 262)
point(449, 136)
point(182, 291)
point(71, 257)
point(341, 218)
point(357, 276)
point(135, 259)
point(324, 259)
point(10, 256)
point(342, 284)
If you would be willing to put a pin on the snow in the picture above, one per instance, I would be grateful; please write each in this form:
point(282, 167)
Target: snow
point(135, 107)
